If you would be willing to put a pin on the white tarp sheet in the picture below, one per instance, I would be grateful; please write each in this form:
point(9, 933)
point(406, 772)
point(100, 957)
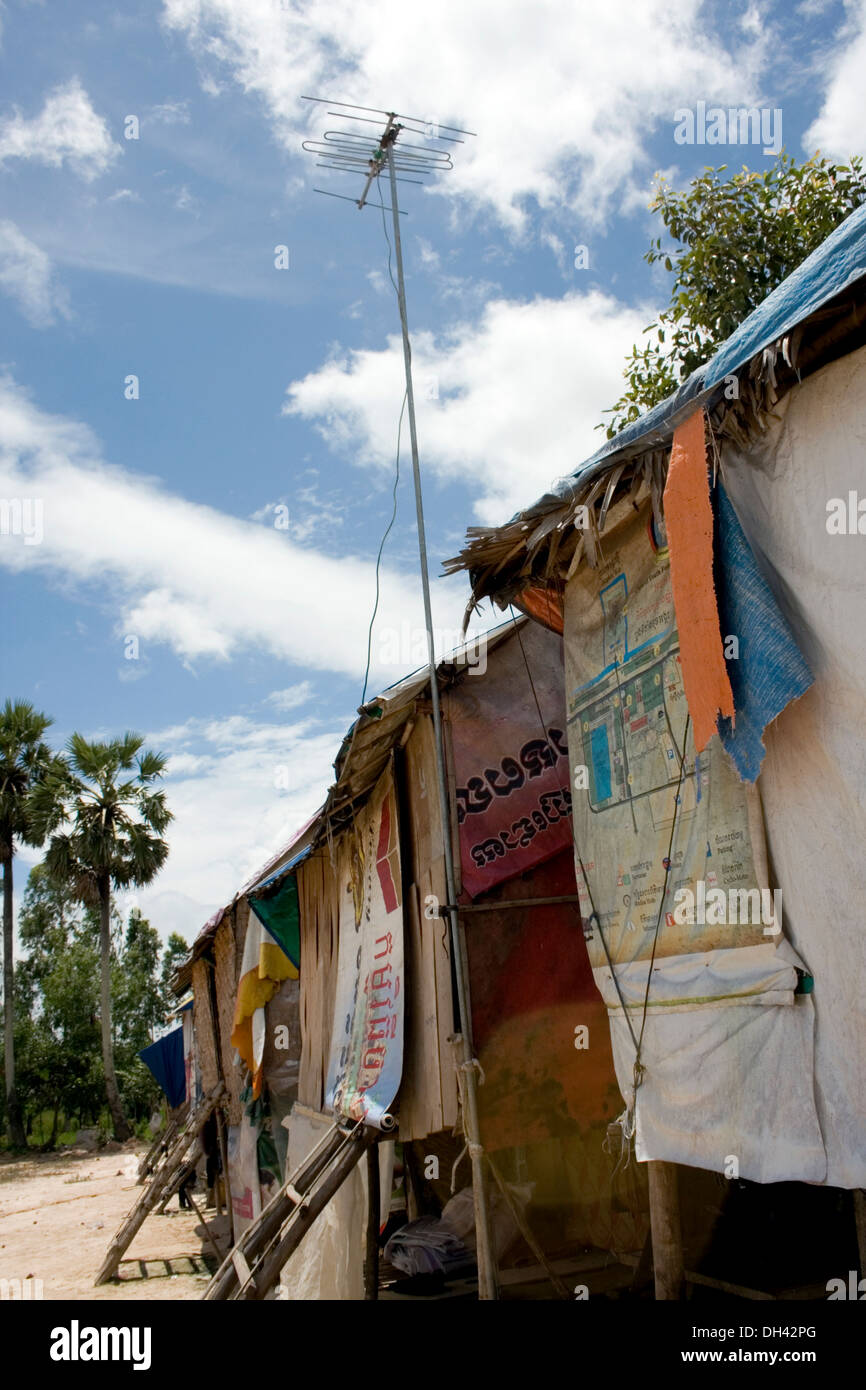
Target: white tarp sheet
point(813, 781)
point(329, 1263)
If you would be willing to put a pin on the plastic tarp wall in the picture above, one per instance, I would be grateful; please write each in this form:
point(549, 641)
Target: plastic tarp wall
point(727, 1043)
point(242, 1147)
point(329, 1264)
point(814, 775)
point(539, 1026)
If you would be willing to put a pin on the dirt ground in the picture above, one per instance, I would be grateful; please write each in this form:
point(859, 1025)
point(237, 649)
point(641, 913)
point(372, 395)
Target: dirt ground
point(58, 1213)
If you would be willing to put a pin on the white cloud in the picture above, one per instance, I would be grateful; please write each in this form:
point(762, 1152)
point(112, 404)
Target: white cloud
point(500, 72)
point(124, 195)
point(291, 697)
point(170, 113)
point(184, 201)
point(239, 789)
point(27, 276)
point(429, 257)
point(838, 130)
point(67, 130)
point(207, 584)
point(519, 394)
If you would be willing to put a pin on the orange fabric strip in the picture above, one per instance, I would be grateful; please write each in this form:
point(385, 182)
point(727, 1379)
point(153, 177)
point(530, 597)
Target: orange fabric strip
point(689, 523)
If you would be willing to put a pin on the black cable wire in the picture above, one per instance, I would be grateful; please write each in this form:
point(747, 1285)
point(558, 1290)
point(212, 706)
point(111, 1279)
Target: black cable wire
point(382, 547)
point(594, 913)
point(387, 238)
point(664, 887)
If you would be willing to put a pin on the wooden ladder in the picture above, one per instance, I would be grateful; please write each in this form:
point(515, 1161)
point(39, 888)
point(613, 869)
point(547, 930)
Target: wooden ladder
point(164, 1175)
point(253, 1266)
point(160, 1146)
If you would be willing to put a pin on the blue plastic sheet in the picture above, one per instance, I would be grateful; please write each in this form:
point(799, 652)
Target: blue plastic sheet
point(769, 669)
point(165, 1060)
point(837, 263)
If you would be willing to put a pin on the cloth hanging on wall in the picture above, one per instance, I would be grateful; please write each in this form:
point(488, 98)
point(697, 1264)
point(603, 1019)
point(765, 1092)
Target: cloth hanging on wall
point(681, 928)
point(264, 965)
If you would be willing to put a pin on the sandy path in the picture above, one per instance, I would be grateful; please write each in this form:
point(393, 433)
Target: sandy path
point(58, 1213)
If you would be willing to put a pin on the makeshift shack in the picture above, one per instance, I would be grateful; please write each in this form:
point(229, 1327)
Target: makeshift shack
point(358, 901)
point(706, 570)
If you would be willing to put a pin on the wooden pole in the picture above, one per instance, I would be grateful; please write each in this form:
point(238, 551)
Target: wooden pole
point(191, 1161)
point(224, 1163)
point(374, 1210)
point(667, 1238)
point(159, 1148)
point(302, 1218)
point(254, 1240)
point(155, 1189)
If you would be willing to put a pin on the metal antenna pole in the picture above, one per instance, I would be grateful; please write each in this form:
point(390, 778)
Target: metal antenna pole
point(349, 152)
point(486, 1269)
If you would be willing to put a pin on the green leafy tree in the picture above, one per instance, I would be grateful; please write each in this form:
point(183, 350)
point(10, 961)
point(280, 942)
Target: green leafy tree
point(57, 991)
point(732, 241)
point(138, 998)
point(176, 952)
point(25, 762)
point(108, 835)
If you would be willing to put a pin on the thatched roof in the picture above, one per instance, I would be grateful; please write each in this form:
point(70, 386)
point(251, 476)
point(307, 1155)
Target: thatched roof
point(817, 314)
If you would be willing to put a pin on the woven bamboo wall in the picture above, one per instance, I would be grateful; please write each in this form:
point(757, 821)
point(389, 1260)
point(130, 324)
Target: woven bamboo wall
point(226, 990)
point(203, 1025)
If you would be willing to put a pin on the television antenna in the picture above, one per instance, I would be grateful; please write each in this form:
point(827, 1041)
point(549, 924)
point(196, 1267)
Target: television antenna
point(347, 150)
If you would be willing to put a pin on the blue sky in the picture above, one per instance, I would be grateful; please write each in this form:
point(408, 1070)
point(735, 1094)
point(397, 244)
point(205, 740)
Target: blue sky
point(264, 388)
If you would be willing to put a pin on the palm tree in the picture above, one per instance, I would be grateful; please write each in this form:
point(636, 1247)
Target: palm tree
point(109, 836)
point(25, 760)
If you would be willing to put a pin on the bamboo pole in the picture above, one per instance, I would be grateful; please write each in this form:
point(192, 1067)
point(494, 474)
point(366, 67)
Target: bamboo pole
point(254, 1240)
point(152, 1194)
point(160, 1147)
point(302, 1218)
point(224, 1162)
point(667, 1238)
point(190, 1160)
point(207, 1230)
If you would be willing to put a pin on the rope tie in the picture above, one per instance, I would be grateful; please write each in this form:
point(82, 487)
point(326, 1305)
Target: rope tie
point(472, 1065)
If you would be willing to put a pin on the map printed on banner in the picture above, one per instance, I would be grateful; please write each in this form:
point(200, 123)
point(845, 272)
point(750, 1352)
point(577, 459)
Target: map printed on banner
point(510, 765)
point(628, 736)
point(366, 1061)
point(683, 934)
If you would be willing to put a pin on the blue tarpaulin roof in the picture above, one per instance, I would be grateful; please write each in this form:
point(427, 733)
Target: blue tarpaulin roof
point(836, 264)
